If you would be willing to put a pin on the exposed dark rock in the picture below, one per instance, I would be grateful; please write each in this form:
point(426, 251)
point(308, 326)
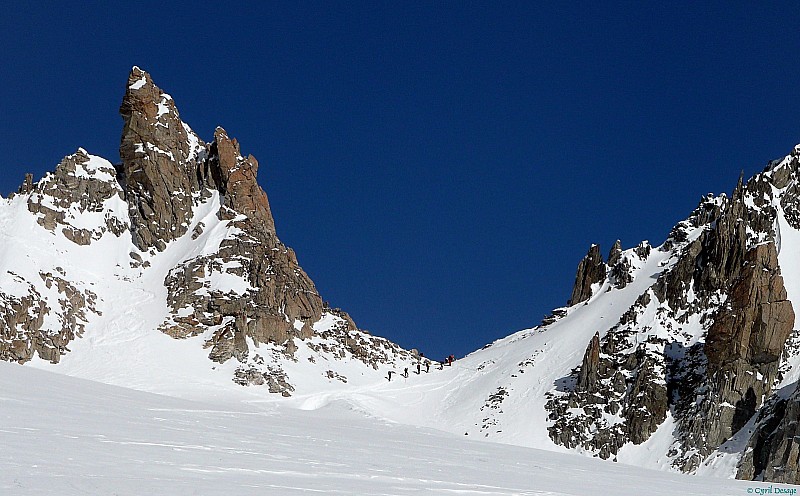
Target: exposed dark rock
point(642, 250)
point(159, 162)
point(773, 453)
point(758, 318)
point(27, 185)
point(274, 378)
point(615, 254)
point(648, 402)
point(22, 334)
point(726, 279)
point(76, 186)
point(620, 268)
point(612, 381)
point(167, 169)
point(236, 181)
point(555, 315)
point(591, 270)
point(587, 377)
point(333, 375)
point(20, 325)
point(238, 286)
point(786, 175)
point(743, 349)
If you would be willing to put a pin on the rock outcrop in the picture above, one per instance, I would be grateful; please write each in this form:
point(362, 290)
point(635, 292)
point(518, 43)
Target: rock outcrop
point(236, 181)
point(43, 313)
point(619, 266)
point(186, 214)
point(619, 393)
point(591, 270)
point(587, 377)
point(705, 341)
point(78, 185)
point(160, 159)
point(169, 171)
point(23, 332)
point(773, 452)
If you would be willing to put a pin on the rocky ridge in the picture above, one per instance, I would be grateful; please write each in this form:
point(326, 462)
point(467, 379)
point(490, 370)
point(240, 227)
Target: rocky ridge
point(706, 345)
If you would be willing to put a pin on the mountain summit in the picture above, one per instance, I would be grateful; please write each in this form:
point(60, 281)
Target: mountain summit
point(178, 239)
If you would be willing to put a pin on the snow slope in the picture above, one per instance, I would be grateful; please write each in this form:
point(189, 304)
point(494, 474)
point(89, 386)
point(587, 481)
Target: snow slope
point(121, 342)
point(66, 436)
point(340, 388)
point(495, 394)
point(459, 399)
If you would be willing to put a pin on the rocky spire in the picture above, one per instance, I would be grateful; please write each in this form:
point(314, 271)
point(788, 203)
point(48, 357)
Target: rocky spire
point(619, 267)
point(587, 378)
point(231, 285)
point(738, 191)
point(167, 170)
point(591, 270)
point(159, 163)
point(615, 254)
point(27, 185)
point(236, 180)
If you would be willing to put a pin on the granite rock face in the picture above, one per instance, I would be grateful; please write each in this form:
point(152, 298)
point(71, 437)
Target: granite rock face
point(618, 378)
point(742, 354)
point(591, 270)
point(235, 177)
point(168, 172)
point(78, 184)
point(704, 342)
point(45, 313)
point(619, 266)
point(23, 333)
point(190, 216)
point(587, 377)
point(773, 452)
point(276, 300)
point(161, 159)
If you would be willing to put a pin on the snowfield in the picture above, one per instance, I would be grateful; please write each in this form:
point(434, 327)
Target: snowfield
point(67, 436)
point(162, 385)
point(167, 420)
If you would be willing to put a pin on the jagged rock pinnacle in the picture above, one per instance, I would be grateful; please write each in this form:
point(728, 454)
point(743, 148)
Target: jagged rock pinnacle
point(236, 177)
point(615, 254)
point(165, 164)
point(591, 270)
point(168, 170)
point(158, 164)
point(228, 284)
point(587, 379)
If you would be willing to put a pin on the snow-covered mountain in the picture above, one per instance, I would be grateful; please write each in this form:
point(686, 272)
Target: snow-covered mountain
point(164, 273)
point(682, 356)
point(168, 262)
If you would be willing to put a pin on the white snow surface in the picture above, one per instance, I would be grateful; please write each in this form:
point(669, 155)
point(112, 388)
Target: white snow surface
point(139, 83)
point(170, 421)
point(67, 436)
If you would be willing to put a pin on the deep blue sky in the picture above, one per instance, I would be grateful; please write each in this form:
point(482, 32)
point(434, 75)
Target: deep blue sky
point(440, 168)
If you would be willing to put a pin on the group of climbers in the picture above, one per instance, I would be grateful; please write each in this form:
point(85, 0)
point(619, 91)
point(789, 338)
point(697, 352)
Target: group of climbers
point(422, 360)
